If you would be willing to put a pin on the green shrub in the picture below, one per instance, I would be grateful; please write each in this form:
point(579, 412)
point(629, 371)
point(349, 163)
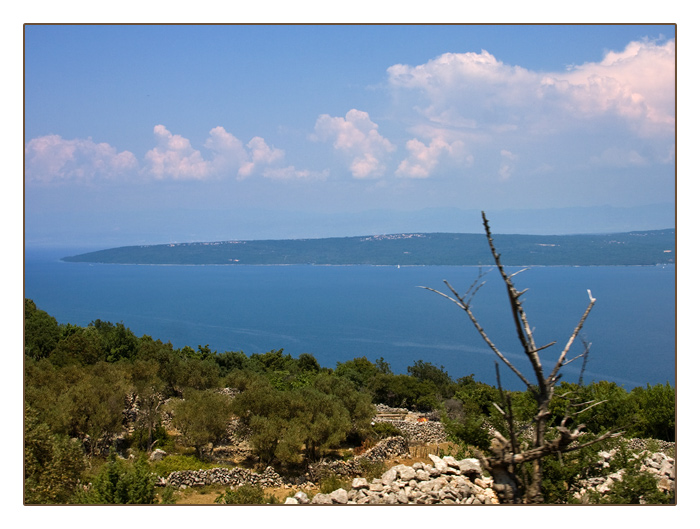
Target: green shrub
point(52, 463)
point(371, 469)
point(560, 475)
point(140, 438)
point(656, 412)
point(167, 496)
point(458, 452)
point(385, 429)
point(174, 463)
point(471, 430)
point(333, 482)
point(122, 482)
point(245, 495)
point(637, 488)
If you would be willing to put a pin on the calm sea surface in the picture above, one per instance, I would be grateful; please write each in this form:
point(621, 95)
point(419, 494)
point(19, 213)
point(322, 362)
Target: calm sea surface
point(337, 313)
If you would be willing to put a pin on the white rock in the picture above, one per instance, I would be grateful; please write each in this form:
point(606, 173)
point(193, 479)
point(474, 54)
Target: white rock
point(451, 461)
point(484, 483)
point(301, 497)
point(422, 475)
point(360, 483)
point(405, 473)
point(157, 455)
point(389, 476)
point(668, 468)
point(322, 499)
point(438, 463)
point(339, 496)
point(470, 466)
point(390, 499)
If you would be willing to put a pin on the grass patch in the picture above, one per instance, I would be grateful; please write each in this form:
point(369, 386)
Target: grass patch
point(174, 463)
point(332, 482)
point(246, 495)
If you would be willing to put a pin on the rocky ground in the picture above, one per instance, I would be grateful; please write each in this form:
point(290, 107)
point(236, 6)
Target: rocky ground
point(413, 473)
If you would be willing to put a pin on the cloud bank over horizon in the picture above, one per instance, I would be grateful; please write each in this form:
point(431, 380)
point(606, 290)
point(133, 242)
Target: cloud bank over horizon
point(456, 111)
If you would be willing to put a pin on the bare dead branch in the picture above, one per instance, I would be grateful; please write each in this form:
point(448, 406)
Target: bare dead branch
point(562, 356)
point(511, 276)
point(499, 409)
point(592, 406)
point(573, 359)
point(550, 344)
point(579, 404)
point(600, 438)
point(586, 350)
point(507, 454)
point(473, 293)
point(465, 307)
point(521, 325)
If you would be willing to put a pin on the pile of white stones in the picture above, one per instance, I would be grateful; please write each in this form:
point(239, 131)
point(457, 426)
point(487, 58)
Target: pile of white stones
point(446, 481)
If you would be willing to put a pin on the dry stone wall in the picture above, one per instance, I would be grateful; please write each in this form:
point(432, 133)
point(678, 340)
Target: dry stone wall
point(383, 450)
point(429, 432)
point(413, 426)
point(234, 477)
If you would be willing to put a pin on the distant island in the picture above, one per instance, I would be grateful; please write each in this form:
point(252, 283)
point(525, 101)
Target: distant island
point(631, 248)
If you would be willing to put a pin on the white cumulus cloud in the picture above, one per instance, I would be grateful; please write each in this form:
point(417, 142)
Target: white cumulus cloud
point(259, 154)
point(357, 137)
point(52, 158)
point(507, 164)
point(228, 151)
point(423, 158)
point(637, 85)
point(627, 100)
point(174, 157)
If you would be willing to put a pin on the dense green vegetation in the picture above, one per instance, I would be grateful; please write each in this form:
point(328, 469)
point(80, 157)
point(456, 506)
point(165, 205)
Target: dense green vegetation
point(632, 248)
point(245, 495)
point(78, 381)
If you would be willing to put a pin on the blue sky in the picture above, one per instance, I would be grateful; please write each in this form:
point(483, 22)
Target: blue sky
point(146, 134)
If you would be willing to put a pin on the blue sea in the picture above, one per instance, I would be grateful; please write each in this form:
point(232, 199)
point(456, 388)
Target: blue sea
point(338, 313)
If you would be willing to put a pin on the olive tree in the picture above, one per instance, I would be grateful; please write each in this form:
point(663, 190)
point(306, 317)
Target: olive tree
point(202, 417)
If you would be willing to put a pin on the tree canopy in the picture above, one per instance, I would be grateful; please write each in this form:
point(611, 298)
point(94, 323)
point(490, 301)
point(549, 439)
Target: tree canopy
point(80, 384)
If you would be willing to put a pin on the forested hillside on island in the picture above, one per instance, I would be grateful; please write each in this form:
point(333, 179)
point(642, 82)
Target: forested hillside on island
point(631, 248)
point(111, 417)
